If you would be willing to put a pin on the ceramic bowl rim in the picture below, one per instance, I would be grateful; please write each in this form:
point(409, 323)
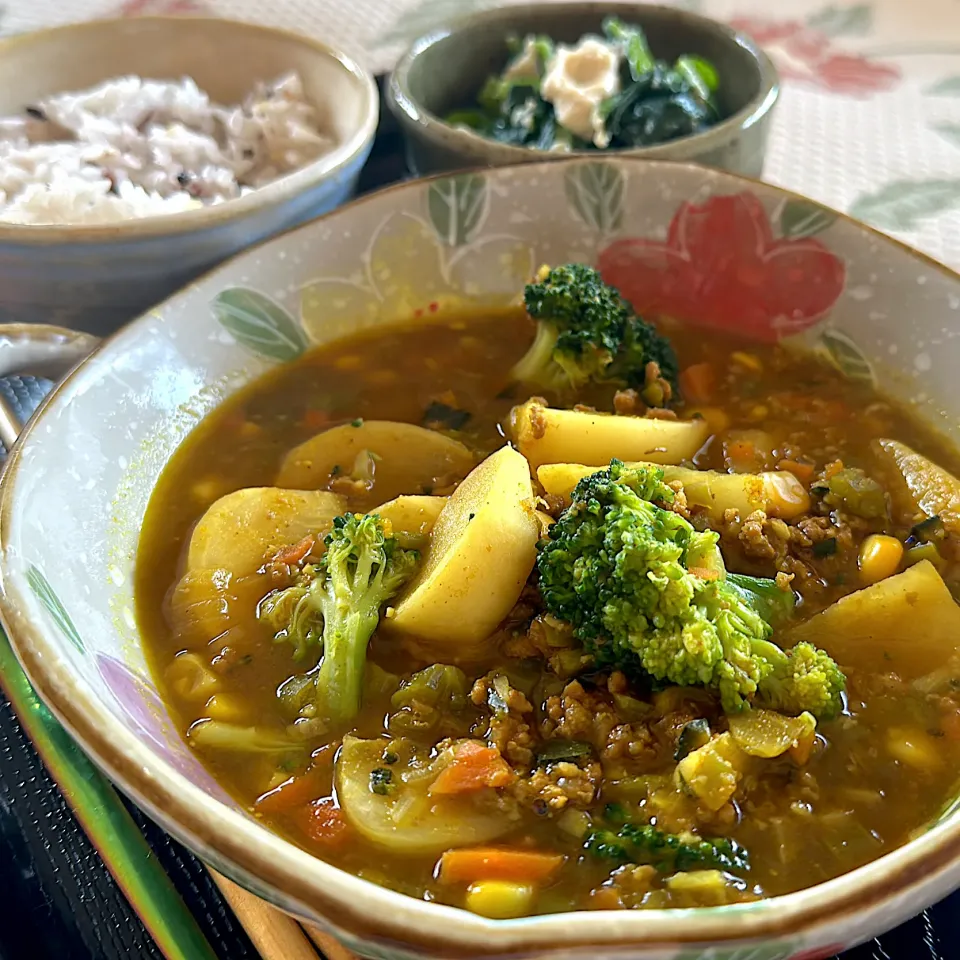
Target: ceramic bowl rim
point(407, 108)
point(363, 908)
point(273, 194)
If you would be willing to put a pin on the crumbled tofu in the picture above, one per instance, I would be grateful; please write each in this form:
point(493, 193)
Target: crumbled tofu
point(577, 81)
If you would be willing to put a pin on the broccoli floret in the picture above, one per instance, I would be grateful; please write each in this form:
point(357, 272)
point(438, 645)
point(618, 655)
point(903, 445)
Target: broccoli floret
point(643, 588)
point(645, 844)
point(587, 332)
point(803, 678)
point(337, 605)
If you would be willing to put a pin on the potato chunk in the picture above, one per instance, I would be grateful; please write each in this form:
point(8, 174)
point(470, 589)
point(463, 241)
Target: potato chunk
point(480, 554)
point(544, 435)
point(920, 486)
point(412, 518)
point(407, 458)
point(240, 530)
point(404, 818)
point(908, 623)
point(778, 493)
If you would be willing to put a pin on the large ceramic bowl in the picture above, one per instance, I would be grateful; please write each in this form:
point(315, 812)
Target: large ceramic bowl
point(98, 277)
point(446, 68)
point(742, 255)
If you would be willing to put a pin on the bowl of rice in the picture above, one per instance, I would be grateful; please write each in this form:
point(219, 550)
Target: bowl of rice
point(137, 154)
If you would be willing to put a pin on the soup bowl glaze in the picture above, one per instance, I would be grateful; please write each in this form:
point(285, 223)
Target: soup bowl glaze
point(683, 240)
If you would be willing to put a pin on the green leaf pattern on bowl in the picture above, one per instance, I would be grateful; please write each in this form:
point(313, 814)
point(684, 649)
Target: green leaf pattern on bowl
point(764, 951)
point(259, 324)
point(846, 356)
point(595, 192)
point(458, 207)
point(42, 590)
point(800, 219)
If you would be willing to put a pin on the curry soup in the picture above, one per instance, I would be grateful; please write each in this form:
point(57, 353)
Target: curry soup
point(521, 771)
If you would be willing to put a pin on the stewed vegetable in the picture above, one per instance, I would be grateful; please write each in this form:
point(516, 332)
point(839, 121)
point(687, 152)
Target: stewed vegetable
point(558, 608)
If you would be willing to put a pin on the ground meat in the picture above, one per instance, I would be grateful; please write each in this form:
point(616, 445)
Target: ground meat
point(579, 714)
point(633, 883)
point(788, 549)
point(679, 505)
point(513, 737)
point(552, 788)
point(660, 413)
point(632, 741)
point(628, 403)
point(552, 504)
point(538, 423)
point(509, 730)
point(348, 486)
point(514, 699)
point(591, 716)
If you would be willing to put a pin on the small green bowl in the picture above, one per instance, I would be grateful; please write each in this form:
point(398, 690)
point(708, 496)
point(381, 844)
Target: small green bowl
point(446, 68)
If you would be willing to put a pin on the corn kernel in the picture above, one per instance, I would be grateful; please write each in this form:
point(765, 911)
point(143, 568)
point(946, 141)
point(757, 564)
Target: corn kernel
point(499, 899)
point(747, 360)
point(879, 558)
point(221, 706)
point(717, 420)
point(913, 747)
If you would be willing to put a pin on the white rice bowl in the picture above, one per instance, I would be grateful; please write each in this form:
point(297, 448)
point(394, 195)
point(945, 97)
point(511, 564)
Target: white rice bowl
point(133, 147)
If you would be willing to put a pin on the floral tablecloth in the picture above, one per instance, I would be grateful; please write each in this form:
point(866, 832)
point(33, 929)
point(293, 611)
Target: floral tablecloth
point(869, 121)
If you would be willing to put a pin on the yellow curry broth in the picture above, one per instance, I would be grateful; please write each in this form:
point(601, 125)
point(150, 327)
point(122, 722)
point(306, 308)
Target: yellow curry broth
point(876, 774)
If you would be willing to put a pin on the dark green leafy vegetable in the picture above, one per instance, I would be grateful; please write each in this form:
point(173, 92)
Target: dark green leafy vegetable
point(554, 750)
point(645, 844)
point(656, 102)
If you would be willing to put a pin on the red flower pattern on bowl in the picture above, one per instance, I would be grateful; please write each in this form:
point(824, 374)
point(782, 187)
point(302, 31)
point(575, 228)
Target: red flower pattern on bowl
point(805, 53)
point(721, 267)
point(148, 8)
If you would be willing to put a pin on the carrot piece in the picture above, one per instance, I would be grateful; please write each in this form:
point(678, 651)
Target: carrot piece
point(801, 750)
point(474, 766)
point(832, 469)
point(315, 419)
point(295, 552)
point(697, 382)
point(323, 823)
point(294, 792)
point(802, 471)
point(494, 863)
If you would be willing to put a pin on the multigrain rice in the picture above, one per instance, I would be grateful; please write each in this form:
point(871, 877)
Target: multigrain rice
point(133, 147)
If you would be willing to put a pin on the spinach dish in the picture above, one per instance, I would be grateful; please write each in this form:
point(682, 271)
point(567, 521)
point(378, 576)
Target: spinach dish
point(605, 92)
